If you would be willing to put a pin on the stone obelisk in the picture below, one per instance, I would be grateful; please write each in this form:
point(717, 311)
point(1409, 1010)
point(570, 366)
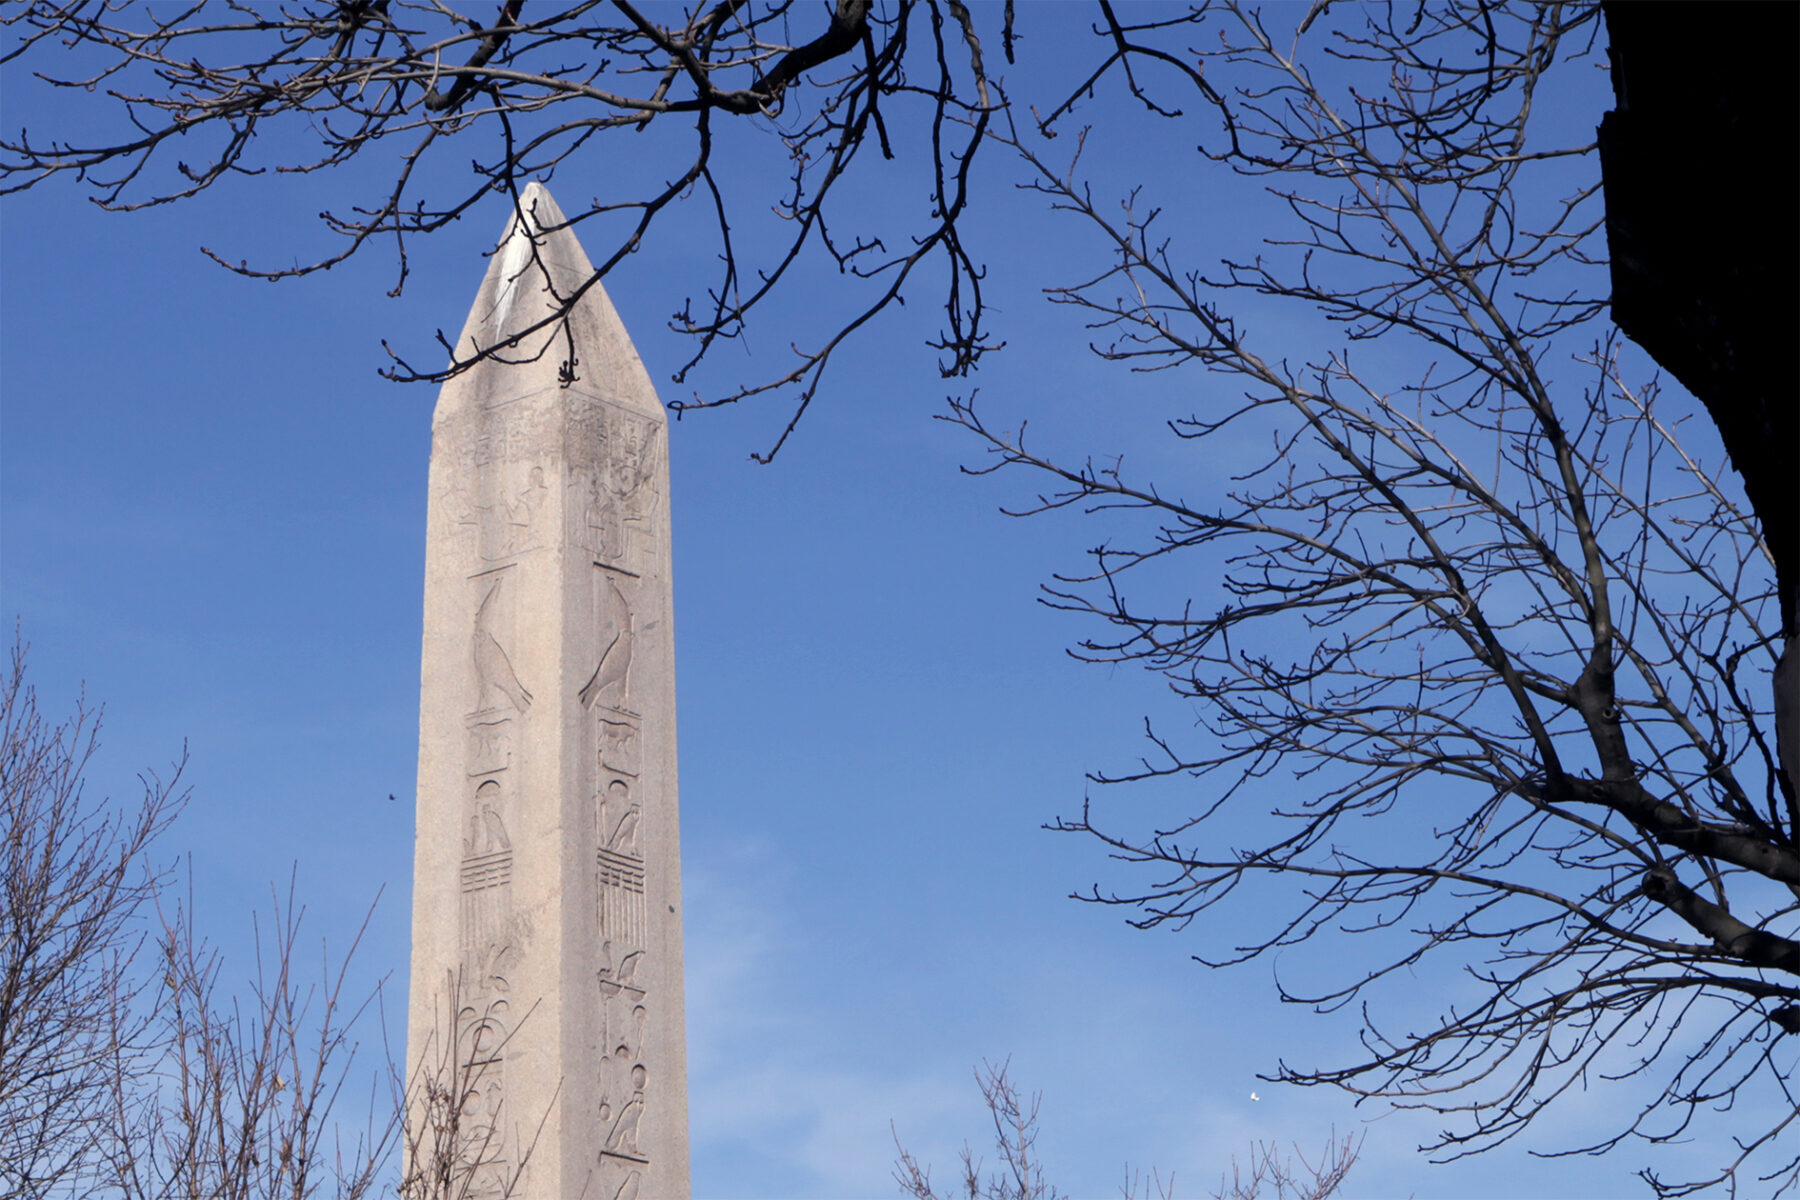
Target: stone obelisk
point(545, 1035)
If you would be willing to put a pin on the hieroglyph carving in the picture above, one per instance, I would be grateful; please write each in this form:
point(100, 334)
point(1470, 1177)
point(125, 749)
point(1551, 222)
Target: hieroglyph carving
point(611, 680)
point(620, 748)
point(491, 939)
point(490, 744)
point(493, 665)
point(618, 816)
point(620, 863)
point(624, 1000)
point(481, 1156)
point(616, 494)
point(623, 1076)
point(487, 851)
point(484, 1026)
point(515, 515)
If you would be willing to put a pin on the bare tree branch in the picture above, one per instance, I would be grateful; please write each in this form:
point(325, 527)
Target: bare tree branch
point(243, 89)
point(1485, 676)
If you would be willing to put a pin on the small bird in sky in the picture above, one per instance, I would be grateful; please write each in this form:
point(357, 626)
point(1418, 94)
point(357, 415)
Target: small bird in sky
point(1254, 1096)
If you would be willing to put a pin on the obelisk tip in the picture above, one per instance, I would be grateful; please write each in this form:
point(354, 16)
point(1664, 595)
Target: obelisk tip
point(537, 268)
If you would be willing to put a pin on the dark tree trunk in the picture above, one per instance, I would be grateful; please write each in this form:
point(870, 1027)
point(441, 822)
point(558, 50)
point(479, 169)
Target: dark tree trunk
point(1702, 216)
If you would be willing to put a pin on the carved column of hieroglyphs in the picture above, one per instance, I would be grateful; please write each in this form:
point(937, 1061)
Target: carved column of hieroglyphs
point(546, 1019)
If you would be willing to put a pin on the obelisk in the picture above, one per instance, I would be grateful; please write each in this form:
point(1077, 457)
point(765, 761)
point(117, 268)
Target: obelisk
point(545, 1035)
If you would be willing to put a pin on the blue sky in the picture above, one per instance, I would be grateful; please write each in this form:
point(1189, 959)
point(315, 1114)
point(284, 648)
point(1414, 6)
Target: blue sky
point(213, 516)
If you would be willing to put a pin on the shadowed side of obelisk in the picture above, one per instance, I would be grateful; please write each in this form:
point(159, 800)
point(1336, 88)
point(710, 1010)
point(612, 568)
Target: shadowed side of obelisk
point(546, 1018)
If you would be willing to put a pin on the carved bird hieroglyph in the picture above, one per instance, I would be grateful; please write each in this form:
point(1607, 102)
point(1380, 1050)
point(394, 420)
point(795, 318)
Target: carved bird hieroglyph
point(614, 979)
point(615, 661)
point(493, 669)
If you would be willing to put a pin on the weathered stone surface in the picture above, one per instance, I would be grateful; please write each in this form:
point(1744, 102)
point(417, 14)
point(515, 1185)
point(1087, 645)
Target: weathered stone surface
point(546, 958)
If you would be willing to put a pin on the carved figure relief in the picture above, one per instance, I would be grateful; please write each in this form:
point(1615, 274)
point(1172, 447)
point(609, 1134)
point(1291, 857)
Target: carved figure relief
point(617, 503)
point(461, 515)
point(602, 527)
point(524, 516)
point(512, 514)
point(612, 674)
point(493, 666)
point(631, 468)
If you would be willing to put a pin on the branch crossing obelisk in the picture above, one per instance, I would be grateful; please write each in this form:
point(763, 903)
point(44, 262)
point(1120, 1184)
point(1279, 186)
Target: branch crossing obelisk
point(546, 1044)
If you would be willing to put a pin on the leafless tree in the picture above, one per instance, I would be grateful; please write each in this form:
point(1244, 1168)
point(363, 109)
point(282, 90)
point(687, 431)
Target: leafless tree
point(245, 1092)
point(1271, 1175)
point(1486, 676)
point(251, 1095)
point(126, 1071)
point(1291, 1176)
point(75, 875)
point(1484, 682)
point(454, 1140)
point(1015, 1137)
